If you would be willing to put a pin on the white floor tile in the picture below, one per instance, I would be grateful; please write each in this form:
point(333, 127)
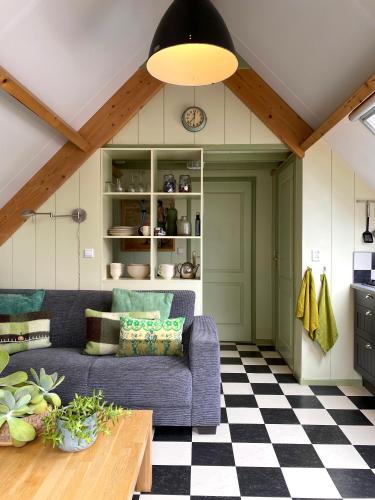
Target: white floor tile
point(254, 361)
point(280, 369)
point(370, 414)
point(272, 401)
point(247, 347)
point(147, 496)
point(171, 453)
point(232, 369)
point(339, 456)
point(296, 390)
point(237, 388)
point(270, 354)
point(262, 378)
point(244, 416)
point(222, 401)
point(287, 433)
point(309, 416)
point(222, 435)
point(359, 434)
point(229, 354)
point(351, 390)
point(267, 498)
point(254, 455)
point(214, 481)
point(309, 483)
point(336, 403)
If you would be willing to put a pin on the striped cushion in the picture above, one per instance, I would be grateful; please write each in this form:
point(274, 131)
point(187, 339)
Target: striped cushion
point(144, 337)
point(103, 330)
point(23, 332)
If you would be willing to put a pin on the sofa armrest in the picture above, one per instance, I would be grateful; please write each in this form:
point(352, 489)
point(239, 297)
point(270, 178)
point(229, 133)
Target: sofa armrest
point(204, 360)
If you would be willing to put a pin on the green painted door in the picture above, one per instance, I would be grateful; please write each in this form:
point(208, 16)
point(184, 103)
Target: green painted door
point(227, 256)
point(285, 263)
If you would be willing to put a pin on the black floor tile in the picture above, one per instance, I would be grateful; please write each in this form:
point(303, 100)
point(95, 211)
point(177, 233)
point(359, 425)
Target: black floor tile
point(357, 483)
point(171, 480)
point(274, 361)
point(240, 401)
point(257, 369)
point(363, 402)
point(220, 454)
point(266, 348)
point(250, 354)
point(262, 482)
point(230, 361)
point(304, 402)
point(234, 377)
point(266, 389)
point(249, 433)
point(325, 434)
point(285, 378)
point(326, 390)
point(349, 417)
point(279, 416)
point(297, 455)
point(368, 455)
point(192, 497)
point(228, 347)
point(173, 434)
point(224, 416)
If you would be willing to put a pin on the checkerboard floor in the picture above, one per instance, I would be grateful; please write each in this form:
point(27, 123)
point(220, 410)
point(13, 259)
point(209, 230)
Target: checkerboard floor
point(277, 439)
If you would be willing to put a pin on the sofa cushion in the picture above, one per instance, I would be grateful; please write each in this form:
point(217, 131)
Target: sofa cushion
point(143, 382)
point(66, 361)
point(23, 332)
point(129, 300)
point(20, 303)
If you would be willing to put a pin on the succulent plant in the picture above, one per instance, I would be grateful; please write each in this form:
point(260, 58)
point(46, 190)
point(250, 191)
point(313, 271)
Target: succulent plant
point(14, 378)
point(12, 408)
point(45, 385)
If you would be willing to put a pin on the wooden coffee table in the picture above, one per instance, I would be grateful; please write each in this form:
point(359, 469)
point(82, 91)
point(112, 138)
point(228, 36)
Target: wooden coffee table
point(112, 468)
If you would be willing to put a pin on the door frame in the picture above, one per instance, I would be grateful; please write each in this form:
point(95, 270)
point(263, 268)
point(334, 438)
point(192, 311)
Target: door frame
point(252, 181)
point(297, 251)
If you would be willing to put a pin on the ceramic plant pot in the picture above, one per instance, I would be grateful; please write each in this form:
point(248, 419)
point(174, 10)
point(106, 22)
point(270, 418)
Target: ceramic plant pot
point(71, 443)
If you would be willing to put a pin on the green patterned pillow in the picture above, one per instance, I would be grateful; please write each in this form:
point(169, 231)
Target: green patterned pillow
point(23, 332)
point(139, 337)
point(103, 329)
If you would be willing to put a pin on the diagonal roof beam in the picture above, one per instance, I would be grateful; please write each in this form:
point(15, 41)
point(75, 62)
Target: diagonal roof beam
point(357, 98)
point(98, 130)
point(268, 106)
point(14, 88)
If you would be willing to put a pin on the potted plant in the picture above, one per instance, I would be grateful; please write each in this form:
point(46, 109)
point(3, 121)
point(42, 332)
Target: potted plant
point(24, 403)
point(76, 426)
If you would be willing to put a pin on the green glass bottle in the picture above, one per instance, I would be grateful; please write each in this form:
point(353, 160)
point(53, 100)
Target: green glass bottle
point(171, 222)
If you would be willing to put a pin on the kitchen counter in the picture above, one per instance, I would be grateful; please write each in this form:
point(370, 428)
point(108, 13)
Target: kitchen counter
point(364, 288)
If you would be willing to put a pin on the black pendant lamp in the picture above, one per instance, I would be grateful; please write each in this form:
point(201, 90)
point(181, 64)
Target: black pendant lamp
point(192, 45)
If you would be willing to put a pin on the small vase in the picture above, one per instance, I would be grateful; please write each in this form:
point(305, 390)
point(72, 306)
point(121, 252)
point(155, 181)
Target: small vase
point(71, 443)
point(171, 222)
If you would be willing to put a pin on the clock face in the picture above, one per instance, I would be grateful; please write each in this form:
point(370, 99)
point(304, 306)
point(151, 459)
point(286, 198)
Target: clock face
point(194, 119)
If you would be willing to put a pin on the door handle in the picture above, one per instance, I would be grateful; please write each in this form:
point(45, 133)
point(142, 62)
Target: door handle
point(368, 347)
point(369, 296)
point(369, 313)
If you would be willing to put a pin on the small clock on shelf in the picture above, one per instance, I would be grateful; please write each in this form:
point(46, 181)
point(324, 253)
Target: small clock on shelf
point(194, 119)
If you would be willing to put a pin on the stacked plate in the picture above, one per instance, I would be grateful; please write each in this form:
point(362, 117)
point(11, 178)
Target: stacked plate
point(123, 231)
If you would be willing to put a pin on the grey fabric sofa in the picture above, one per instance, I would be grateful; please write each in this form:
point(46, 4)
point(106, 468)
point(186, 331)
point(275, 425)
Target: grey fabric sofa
point(181, 391)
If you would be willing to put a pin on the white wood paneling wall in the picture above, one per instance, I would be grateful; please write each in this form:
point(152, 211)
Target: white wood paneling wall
point(332, 222)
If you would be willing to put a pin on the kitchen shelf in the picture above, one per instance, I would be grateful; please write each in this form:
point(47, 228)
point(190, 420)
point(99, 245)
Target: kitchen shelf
point(126, 237)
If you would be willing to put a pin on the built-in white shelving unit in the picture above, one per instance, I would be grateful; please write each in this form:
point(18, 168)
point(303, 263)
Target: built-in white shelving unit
point(149, 165)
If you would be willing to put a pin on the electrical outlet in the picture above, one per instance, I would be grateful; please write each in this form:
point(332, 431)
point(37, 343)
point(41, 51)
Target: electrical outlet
point(180, 251)
point(88, 253)
point(315, 255)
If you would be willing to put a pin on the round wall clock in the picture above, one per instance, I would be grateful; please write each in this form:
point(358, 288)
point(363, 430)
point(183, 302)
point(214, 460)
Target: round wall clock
point(194, 119)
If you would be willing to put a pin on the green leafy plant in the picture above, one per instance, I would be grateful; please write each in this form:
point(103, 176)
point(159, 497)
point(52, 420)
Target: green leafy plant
point(73, 418)
point(21, 398)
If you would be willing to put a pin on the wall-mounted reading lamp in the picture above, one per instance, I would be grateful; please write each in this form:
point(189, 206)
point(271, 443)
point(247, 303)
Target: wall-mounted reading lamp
point(78, 215)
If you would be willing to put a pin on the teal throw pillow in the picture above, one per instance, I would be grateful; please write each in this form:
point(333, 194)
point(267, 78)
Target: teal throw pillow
point(130, 301)
point(21, 303)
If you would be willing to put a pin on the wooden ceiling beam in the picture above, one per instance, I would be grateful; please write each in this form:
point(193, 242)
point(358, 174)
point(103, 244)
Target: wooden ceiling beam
point(14, 88)
point(268, 106)
point(357, 98)
point(98, 130)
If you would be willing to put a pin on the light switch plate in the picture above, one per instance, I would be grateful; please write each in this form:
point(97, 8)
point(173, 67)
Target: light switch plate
point(88, 253)
point(180, 250)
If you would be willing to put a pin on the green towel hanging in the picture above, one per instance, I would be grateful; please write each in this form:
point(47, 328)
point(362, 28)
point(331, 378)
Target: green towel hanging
point(326, 333)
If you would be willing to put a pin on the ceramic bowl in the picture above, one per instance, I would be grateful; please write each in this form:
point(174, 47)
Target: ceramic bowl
point(138, 271)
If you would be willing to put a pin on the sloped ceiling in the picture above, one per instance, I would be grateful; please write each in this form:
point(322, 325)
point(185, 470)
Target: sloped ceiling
point(74, 55)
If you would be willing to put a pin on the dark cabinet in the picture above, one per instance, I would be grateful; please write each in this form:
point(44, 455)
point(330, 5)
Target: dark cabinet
point(364, 354)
